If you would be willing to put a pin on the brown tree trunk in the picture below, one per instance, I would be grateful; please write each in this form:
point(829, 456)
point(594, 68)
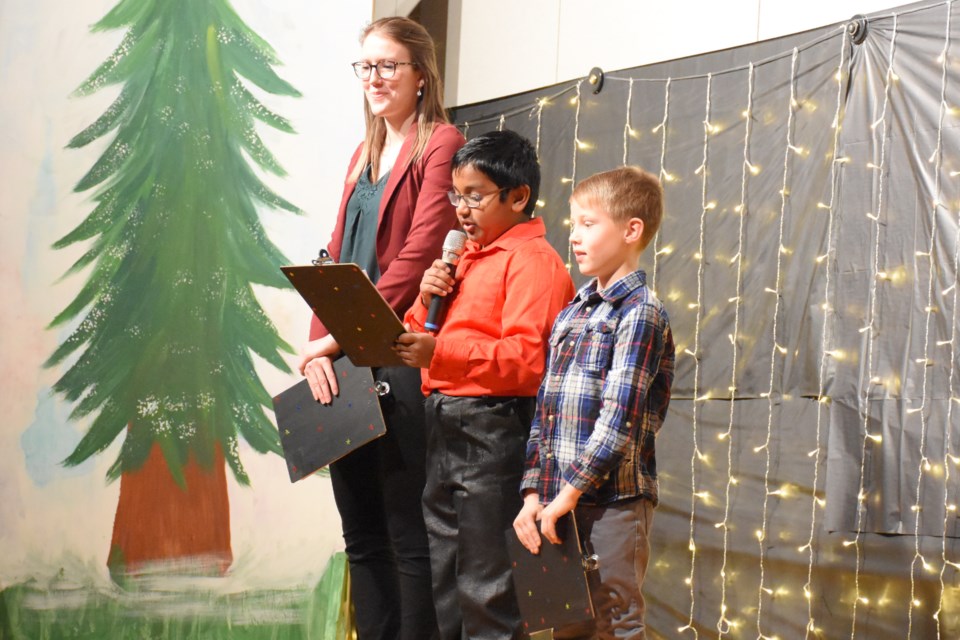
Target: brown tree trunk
point(163, 527)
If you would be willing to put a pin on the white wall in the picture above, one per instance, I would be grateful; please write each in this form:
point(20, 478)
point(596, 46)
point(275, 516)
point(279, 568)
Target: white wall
point(385, 8)
point(501, 47)
point(51, 516)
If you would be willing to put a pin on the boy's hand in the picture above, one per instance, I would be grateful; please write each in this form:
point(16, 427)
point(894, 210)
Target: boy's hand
point(437, 281)
point(563, 504)
point(525, 524)
point(415, 349)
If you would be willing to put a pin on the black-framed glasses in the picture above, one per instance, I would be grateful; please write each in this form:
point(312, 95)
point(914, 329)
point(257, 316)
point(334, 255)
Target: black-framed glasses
point(385, 68)
point(471, 200)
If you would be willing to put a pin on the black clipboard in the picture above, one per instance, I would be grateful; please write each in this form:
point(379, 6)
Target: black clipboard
point(313, 435)
point(353, 311)
point(551, 587)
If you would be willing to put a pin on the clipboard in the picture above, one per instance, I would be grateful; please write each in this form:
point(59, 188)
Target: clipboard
point(313, 435)
point(551, 587)
point(353, 311)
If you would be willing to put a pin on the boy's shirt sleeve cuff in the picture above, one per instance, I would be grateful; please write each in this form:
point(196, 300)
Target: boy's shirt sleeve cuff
point(449, 360)
point(531, 480)
point(581, 478)
point(416, 316)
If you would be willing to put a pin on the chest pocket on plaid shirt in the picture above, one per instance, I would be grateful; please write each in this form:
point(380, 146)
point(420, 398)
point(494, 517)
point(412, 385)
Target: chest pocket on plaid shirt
point(595, 349)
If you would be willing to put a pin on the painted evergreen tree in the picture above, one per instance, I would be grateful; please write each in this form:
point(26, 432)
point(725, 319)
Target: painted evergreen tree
point(169, 319)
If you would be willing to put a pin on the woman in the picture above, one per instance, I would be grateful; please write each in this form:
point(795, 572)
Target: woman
point(393, 219)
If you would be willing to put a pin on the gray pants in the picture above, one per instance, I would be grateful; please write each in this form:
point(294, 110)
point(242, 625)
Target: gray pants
point(619, 533)
point(475, 452)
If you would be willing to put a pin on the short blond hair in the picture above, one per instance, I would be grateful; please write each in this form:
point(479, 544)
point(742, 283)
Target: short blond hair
point(624, 193)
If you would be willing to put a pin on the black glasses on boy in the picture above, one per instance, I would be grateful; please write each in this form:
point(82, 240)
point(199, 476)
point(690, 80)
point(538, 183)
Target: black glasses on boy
point(471, 200)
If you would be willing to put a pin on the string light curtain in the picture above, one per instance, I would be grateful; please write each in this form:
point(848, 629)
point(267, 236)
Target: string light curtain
point(809, 262)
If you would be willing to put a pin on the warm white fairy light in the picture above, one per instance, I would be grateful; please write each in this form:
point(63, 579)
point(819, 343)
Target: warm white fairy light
point(573, 172)
point(723, 623)
point(930, 310)
point(696, 455)
point(540, 104)
point(821, 376)
point(665, 177)
point(500, 118)
point(828, 351)
point(627, 129)
point(871, 318)
point(784, 194)
point(576, 134)
point(950, 509)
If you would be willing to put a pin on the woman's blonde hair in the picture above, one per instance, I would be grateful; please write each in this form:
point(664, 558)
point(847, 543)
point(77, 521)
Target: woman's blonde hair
point(430, 110)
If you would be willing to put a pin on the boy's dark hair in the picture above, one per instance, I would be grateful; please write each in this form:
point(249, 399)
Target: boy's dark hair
point(507, 158)
point(624, 193)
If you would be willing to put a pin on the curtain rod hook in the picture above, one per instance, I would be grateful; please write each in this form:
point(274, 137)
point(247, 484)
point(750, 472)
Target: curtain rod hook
point(857, 28)
point(596, 79)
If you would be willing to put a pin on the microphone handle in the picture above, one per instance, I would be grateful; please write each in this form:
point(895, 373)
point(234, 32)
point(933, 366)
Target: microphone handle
point(436, 307)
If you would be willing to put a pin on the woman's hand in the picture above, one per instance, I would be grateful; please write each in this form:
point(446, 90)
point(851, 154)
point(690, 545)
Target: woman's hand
point(525, 524)
point(317, 366)
point(325, 346)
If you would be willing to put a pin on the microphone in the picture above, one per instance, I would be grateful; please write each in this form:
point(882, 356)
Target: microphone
point(452, 250)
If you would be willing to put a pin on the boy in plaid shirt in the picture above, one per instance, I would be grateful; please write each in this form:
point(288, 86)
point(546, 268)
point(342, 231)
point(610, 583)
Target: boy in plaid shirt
point(603, 401)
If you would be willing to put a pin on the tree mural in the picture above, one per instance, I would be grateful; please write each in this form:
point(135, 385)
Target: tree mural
point(168, 322)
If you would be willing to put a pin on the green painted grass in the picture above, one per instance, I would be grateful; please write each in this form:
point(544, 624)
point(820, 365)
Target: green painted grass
point(173, 608)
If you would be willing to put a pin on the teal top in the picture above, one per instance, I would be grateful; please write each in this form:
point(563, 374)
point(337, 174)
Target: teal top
point(360, 230)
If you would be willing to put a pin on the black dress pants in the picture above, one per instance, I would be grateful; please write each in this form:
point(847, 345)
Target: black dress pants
point(475, 454)
point(378, 490)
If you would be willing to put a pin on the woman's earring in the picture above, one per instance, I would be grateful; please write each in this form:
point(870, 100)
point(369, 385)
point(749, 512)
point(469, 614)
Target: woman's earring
point(419, 93)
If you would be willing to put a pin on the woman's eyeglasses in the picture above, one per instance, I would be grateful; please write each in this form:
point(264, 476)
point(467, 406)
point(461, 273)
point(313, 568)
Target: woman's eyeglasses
point(385, 68)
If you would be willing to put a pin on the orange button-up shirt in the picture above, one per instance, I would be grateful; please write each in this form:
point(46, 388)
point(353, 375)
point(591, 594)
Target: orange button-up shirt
point(493, 340)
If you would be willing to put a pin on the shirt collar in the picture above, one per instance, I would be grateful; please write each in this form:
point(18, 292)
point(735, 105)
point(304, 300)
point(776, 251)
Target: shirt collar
point(514, 236)
point(619, 289)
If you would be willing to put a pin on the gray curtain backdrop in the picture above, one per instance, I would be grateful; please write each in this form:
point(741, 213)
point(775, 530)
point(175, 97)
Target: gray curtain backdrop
point(808, 260)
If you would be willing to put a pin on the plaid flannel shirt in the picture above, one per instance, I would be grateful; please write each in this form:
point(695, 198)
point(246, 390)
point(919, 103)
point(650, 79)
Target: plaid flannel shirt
point(604, 396)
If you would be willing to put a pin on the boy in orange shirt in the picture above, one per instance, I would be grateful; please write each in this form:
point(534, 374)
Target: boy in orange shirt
point(481, 373)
